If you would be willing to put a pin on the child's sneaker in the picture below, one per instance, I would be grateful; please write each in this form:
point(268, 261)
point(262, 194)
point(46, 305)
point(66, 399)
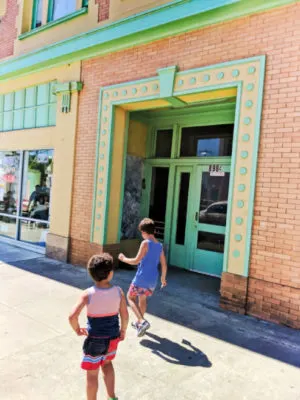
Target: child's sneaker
point(143, 328)
point(135, 325)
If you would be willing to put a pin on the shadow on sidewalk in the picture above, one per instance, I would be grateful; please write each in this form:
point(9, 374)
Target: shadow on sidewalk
point(175, 353)
point(190, 300)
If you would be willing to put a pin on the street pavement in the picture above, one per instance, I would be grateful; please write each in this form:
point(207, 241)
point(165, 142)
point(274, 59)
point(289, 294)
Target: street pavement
point(193, 351)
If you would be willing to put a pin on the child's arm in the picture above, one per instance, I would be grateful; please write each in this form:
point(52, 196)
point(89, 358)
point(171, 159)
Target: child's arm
point(124, 316)
point(73, 317)
point(164, 269)
point(140, 255)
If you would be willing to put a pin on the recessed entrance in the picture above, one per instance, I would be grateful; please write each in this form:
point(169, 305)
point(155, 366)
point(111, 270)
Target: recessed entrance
point(239, 82)
point(184, 177)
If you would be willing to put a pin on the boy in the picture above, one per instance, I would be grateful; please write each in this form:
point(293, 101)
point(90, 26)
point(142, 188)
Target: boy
point(104, 303)
point(144, 283)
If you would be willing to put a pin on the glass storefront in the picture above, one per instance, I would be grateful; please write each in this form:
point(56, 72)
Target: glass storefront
point(25, 195)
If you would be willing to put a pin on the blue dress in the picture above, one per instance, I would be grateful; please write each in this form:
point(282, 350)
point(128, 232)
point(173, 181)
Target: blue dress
point(147, 273)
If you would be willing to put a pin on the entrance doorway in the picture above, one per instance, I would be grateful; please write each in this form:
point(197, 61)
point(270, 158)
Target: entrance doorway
point(187, 177)
point(199, 217)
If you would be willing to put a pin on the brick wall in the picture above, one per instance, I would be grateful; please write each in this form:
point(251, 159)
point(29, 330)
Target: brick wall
point(103, 9)
point(8, 31)
point(275, 257)
point(234, 292)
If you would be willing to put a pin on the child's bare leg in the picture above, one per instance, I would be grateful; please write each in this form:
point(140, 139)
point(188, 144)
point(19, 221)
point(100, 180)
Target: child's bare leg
point(109, 378)
point(143, 304)
point(135, 307)
point(92, 384)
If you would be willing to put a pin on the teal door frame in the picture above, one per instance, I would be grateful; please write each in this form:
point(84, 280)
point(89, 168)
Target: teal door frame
point(204, 261)
point(195, 166)
point(180, 254)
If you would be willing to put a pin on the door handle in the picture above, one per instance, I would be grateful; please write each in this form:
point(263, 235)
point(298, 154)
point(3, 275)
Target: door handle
point(196, 216)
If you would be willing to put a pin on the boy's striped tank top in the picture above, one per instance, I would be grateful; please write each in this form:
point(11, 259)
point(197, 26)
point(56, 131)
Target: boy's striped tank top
point(103, 312)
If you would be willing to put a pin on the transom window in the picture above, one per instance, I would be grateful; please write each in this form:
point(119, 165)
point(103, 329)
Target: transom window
point(195, 141)
point(33, 107)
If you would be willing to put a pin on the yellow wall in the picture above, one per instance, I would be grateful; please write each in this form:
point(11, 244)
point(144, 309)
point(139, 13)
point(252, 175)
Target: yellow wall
point(3, 5)
point(118, 9)
point(116, 174)
point(124, 8)
point(137, 136)
point(57, 33)
point(61, 138)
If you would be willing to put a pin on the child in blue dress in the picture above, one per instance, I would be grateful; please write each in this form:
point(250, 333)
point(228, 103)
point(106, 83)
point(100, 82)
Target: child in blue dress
point(149, 256)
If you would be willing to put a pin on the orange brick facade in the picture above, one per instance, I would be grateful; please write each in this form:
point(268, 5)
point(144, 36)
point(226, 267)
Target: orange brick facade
point(8, 29)
point(273, 290)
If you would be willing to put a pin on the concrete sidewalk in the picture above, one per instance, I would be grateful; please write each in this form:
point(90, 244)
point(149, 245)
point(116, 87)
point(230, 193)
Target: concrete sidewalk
point(194, 350)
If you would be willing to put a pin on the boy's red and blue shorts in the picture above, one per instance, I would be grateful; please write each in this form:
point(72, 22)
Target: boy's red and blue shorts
point(139, 291)
point(97, 351)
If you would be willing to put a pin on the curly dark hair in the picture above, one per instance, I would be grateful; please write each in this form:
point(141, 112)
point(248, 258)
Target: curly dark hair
point(99, 266)
point(147, 225)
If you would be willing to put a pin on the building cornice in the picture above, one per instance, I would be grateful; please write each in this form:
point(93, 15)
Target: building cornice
point(172, 19)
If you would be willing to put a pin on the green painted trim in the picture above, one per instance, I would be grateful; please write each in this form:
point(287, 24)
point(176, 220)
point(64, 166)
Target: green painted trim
point(34, 13)
point(62, 87)
point(51, 23)
point(108, 175)
point(232, 175)
point(123, 176)
point(149, 140)
point(175, 140)
point(96, 172)
point(203, 115)
point(169, 208)
point(165, 21)
point(145, 204)
point(50, 11)
point(157, 162)
point(193, 161)
point(175, 102)
point(254, 164)
point(166, 80)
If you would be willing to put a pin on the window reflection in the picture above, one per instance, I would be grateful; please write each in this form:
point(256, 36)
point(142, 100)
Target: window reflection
point(34, 232)
point(25, 216)
point(214, 195)
point(62, 8)
point(37, 182)
point(211, 242)
point(8, 227)
point(207, 141)
point(9, 182)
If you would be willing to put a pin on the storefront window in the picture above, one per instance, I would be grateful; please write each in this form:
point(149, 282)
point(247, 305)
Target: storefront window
point(28, 219)
point(9, 182)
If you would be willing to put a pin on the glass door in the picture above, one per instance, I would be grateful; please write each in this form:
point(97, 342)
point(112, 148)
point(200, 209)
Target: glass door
point(182, 214)
point(211, 201)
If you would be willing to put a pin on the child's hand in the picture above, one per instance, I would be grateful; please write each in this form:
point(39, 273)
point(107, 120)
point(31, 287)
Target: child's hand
point(121, 257)
point(82, 332)
point(163, 282)
point(122, 335)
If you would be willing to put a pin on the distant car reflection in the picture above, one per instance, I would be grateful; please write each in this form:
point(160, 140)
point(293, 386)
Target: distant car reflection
point(215, 214)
